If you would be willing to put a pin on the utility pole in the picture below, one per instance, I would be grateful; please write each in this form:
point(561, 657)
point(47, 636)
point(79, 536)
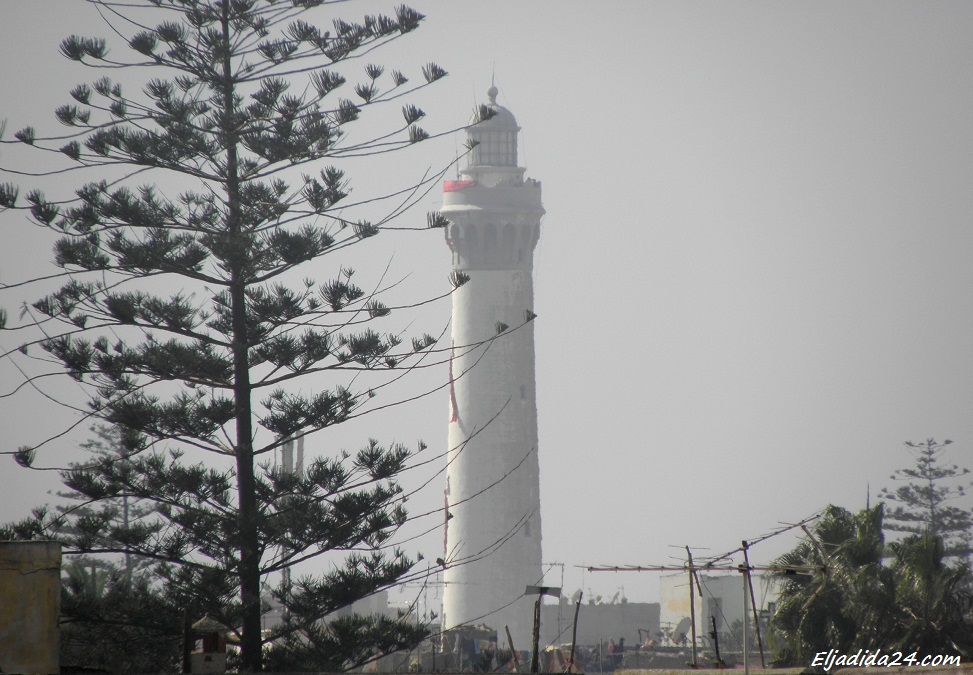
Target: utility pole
point(534, 656)
point(746, 652)
point(753, 606)
point(692, 603)
point(513, 650)
point(574, 632)
point(540, 592)
point(716, 643)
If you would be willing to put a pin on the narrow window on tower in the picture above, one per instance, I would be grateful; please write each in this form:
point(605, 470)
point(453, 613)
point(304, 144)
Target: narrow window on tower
point(523, 392)
point(490, 239)
point(527, 528)
point(471, 241)
point(507, 243)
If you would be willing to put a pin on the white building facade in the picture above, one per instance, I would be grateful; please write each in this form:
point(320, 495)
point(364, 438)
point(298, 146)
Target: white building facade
point(493, 527)
point(722, 600)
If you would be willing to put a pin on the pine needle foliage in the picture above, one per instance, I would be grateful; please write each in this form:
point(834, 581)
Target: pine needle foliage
point(231, 152)
point(924, 501)
point(117, 622)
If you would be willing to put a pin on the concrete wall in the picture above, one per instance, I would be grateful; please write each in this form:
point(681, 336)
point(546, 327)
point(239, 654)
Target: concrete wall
point(30, 591)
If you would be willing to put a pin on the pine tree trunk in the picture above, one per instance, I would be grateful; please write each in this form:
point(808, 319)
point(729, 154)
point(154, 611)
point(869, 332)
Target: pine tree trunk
point(249, 571)
point(249, 545)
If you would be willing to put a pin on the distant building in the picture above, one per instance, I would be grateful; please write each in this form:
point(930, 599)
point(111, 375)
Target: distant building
point(600, 623)
point(722, 600)
point(375, 604)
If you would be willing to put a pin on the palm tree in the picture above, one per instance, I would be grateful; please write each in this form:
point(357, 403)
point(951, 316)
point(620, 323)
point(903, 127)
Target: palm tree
point(910, 601)
point(933, 598)
point(85, 578)
point(845, 605)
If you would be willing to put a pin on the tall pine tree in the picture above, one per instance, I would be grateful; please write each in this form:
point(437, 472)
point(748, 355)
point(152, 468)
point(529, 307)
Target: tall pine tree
point(245, 107)
point(924, 502)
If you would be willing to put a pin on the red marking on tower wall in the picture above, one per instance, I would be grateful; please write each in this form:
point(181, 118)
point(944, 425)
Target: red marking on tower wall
point(453, 411)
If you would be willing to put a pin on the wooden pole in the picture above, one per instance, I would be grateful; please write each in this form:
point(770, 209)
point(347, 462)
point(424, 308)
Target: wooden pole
point(540, 592)
point(692, 604)
point(746, 652)
point(534, 657)
point(574, 633)
point(513, 650)
point(716, 644)
point(753, 606)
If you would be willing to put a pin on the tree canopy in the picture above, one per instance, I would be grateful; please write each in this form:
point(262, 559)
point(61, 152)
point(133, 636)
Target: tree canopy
point(921, 504)
point(910, 601)
point(182, 314)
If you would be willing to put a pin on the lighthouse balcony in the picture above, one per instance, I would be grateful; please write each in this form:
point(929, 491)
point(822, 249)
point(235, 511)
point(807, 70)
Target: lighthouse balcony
point(506, 197)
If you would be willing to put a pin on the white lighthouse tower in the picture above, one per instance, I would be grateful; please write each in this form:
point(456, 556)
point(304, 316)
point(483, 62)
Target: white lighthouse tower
point(493, 526)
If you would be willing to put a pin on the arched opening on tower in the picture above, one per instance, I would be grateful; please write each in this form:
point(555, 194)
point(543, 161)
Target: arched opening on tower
point(470, 243)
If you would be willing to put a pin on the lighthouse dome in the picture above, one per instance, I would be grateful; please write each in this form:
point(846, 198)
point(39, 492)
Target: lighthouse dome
point(502, 117)
point(496, 137)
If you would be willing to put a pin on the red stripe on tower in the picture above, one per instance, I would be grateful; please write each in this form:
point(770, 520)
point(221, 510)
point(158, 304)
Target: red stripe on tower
point(453, 412)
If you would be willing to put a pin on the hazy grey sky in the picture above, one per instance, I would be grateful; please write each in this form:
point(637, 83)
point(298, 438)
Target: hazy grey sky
point(754, 277)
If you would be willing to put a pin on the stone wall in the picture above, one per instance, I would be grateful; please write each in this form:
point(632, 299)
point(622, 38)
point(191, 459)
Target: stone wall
point(30, 588)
